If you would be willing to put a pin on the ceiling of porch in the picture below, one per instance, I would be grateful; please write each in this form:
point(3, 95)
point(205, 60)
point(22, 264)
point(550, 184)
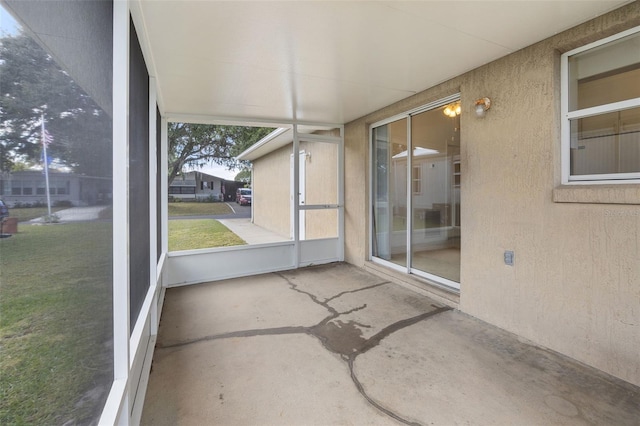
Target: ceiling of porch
point(330, 62)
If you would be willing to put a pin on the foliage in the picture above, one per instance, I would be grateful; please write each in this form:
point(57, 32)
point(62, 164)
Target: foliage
point(63, 203)
point(193, 208)
point(200, 233)
point(51, 218)
point(55, 325)
point(243, 176)
point(32, 84)
point(196, 145)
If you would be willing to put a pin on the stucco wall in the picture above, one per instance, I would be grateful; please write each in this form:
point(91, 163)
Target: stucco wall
point(271, 189)
point(321, 188)
point(575, 285)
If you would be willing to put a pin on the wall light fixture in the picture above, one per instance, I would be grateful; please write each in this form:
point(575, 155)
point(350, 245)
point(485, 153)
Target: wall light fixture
point(452, 110)
point(482, 105)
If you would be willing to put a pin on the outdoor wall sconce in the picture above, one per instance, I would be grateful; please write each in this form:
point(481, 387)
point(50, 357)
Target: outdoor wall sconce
point(482, 105)
point(453, 109)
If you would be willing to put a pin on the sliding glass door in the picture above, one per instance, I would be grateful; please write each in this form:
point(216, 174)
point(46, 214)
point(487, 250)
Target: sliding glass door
point(416, 193)
point(389, 192)
point(435, 242)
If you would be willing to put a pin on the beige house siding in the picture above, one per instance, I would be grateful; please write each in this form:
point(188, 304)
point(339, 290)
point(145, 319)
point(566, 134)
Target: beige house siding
point(575, 286)
point(321, 188)
point(272, 191)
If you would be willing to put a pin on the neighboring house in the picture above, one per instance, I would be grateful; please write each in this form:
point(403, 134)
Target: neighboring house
point(197, 185)
point(272, 165)
point(29, 187)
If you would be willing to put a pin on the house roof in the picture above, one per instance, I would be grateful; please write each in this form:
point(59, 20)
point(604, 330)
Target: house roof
point(329, 61)
point(280, 137)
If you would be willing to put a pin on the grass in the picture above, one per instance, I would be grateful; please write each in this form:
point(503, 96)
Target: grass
point(55, 323)
point(200, 233)
point(26, 214)
point(198, 209)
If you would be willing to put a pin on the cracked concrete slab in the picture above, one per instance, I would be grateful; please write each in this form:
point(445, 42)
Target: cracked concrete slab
point(385, 305)
point(274, 380)
point(305, 347)
point(195, 312)
point(453, 369)
point(336, 279)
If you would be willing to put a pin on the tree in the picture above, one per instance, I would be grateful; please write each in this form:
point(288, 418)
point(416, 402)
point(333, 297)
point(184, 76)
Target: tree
point(32, 84)
point(243, 176)
point(196, 145)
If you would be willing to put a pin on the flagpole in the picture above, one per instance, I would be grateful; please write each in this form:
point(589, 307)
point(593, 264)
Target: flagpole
point(46, 169)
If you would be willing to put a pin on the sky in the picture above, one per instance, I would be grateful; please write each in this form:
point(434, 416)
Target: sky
point(218, 171)
point(8, 25)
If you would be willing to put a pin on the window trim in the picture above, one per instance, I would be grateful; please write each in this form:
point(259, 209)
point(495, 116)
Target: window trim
point(566, 117)
point(418, 180)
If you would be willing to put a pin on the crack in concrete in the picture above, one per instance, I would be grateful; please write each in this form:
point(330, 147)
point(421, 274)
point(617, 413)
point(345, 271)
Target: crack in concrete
point(374, 341)
point(325, 304)
point(312, 296)
point(342, 338)
point(342, 293)
point(372, 402)
point(277, 331)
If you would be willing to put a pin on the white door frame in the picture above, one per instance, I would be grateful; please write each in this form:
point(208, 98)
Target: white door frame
point(302, 192)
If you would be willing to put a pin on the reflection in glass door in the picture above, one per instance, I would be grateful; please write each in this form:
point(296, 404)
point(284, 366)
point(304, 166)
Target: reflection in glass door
point(416, 186)
point(390, 192)
point(435, 242)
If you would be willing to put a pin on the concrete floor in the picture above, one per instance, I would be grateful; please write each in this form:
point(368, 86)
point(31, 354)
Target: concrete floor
point(334, 345)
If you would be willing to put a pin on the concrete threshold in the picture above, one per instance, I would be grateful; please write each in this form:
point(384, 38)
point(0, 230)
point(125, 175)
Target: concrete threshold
point(334, 344)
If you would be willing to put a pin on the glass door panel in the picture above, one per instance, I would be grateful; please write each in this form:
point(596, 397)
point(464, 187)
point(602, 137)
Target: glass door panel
point(390, 192)
point(435, 192)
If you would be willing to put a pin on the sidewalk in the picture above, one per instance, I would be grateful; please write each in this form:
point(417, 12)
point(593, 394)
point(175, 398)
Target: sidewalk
point(252, 234)
point(76, 214)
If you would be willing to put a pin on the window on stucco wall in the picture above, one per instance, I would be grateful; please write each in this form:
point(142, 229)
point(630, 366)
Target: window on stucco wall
point(601, 111)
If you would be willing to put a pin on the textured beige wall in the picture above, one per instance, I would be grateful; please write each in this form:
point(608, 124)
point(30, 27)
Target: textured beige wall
point(321, 188)
point(271, 189)
point(575, 286)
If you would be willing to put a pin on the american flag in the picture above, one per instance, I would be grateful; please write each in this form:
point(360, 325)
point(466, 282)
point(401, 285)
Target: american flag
point(46, 138)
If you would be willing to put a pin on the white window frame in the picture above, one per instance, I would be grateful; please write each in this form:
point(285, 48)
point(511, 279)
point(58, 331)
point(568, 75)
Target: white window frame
point(417, 180)
point(566, 117)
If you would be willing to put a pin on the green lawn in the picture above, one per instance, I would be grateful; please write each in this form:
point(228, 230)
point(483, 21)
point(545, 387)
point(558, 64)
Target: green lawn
point(198, 209)
point(55, 323)
point(200, 233)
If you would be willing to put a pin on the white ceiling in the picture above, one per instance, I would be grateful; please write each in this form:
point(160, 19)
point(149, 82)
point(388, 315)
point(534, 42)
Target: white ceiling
point(328, 61)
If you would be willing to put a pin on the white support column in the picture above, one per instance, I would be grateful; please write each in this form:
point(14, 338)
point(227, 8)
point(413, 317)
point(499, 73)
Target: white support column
point(253, 197)
point(153, 205)
point(341, 240)
point(409, 194)
point(117, 408)
point(296, 196)
point(164, 184)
